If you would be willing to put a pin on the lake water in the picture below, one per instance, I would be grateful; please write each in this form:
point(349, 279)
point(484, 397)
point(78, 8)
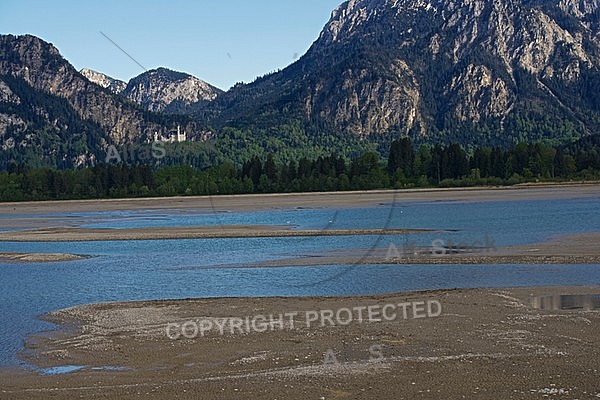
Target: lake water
point(172, 269)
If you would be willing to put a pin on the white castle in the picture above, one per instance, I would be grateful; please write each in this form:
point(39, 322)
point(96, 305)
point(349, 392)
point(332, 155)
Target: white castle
point(172, 136)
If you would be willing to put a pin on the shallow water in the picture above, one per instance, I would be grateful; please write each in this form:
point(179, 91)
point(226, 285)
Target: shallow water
point(61, 370)
point(170, 269)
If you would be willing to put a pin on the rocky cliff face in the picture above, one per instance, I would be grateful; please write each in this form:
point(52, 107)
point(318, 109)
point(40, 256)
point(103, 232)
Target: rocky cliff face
point(159, 90)
point(114, 85)
point(163, 90)
point(433, 65)
point(479, 44)
point(9, 120)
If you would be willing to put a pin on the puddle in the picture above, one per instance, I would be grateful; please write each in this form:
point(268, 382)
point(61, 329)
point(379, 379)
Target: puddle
point(110, 368)
point(62, 369)
point(566, 302)
point(67, 369)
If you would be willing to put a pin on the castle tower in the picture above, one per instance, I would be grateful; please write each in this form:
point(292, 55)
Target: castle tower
point(181, 137)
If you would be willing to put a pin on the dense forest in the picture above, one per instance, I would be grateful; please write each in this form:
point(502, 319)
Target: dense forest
point(405, 167)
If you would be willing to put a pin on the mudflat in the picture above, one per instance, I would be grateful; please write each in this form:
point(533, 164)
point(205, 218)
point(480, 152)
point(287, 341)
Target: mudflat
point(52, 221)
point(477, 344)
point(316, 199)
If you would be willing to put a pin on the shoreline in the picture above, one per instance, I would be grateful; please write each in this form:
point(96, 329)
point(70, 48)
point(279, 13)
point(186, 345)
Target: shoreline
point(479, 332)
point(350, 199)
point(60, 221)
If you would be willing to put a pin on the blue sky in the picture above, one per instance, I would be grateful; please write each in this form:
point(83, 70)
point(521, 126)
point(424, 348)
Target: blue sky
point(221, 42)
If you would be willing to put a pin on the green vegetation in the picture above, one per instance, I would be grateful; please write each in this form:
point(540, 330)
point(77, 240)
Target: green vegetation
point(427, 166)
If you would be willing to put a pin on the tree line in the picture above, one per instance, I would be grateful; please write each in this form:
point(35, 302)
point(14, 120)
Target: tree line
point(405, 167)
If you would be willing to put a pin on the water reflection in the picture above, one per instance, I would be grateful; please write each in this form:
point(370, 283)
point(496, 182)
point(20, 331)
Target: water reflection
point(61, 370)
point(566, 302)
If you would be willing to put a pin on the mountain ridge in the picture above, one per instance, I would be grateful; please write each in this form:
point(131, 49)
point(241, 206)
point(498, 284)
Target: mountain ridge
point(475, 72)
point(51, 84)
point(426, 67)
point(165, 90)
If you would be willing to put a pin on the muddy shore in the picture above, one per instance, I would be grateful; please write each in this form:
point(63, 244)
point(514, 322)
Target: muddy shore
point(484, 344)
point(514, 343)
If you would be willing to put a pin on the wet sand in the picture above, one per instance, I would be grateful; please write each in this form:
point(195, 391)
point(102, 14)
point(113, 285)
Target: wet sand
point(75, 234)
point(485, 344)
point(295, 200)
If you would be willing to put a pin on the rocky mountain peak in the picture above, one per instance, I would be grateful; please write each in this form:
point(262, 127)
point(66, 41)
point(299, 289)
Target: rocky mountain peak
point(346, 17)
point(579, 8)
point(27, 56)
point(477, 47)
point(164, 90)
point(43, 99)
point(114, 85)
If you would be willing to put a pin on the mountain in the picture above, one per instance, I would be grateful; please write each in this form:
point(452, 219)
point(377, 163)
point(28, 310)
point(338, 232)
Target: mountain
point(163, 90)
point(159, 90)
point(51, 114)
point(472, 71)
point(114, 85)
